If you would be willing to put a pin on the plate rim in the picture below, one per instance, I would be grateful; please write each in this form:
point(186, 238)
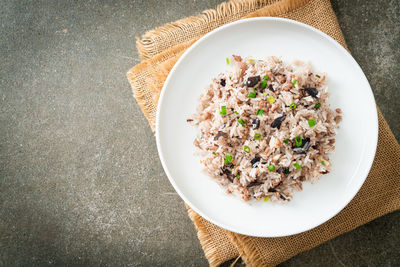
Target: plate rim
point(369, 158)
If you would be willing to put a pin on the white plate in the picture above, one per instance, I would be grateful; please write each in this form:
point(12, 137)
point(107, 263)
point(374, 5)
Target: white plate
point(355, 142)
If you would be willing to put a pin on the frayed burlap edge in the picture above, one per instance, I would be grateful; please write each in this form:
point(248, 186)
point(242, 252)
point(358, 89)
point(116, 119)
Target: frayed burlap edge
point(207, 21)
point(212, 254)
point(147, 98)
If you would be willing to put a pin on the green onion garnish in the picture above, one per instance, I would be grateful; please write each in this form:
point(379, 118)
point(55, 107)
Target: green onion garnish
point(228, 158)
point(286, 141)
point(317, 76)
point(271, 168)
point(241, 121)
point(271, 99)
point(237, 113)
point(266, 77)
point(257, 136)
point(317, 105)
point(311, 123)
point(246, 149)
point(260, 112)
point(266, 199)
point(294, 82)
point(299, 141)
point(297, 166)
point(323, 163)
point(223, 110)
point(227, 61)
point(293, 106)
point(238, 175)
point(230, 78)
point(263, 84)
point(252, 94)
point(214, 153)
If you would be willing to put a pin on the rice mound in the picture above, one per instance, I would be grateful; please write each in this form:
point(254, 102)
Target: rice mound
point(264, 127)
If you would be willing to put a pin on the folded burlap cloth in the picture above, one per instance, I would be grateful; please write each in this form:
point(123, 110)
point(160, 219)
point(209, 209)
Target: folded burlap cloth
point(160, 48)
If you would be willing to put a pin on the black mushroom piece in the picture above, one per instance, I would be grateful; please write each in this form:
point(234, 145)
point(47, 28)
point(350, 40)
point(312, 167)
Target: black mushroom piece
point(304, 146)
point(255, 183)
point(254, 162)
point(271, 88)
point(284, 170)
point(255, 123)
point(312, 92)
point(253, 81)
point(222, 82)
point(219, 134)
point(278, 121)
point(227, 170)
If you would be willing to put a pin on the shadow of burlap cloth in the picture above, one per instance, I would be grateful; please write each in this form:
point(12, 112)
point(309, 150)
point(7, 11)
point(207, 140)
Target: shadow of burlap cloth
point(160, 48)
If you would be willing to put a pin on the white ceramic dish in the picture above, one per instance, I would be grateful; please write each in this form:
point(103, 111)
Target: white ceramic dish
point(355, 142)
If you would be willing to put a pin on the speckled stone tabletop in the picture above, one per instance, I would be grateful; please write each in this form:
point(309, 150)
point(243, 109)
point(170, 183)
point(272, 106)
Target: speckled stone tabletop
point(80, 179)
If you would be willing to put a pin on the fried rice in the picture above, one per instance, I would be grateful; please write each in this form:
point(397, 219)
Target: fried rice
point(265, 127)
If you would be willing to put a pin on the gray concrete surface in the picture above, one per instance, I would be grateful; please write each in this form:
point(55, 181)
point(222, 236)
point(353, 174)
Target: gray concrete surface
point(80, 179)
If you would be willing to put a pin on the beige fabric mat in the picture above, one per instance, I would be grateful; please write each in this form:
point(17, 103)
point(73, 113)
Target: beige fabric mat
point(160, 49)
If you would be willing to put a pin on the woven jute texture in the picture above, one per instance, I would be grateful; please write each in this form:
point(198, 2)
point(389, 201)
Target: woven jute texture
point(161, 48)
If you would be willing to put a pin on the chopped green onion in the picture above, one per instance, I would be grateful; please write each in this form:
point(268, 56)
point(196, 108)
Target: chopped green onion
point(297, 166)
point(271, 168)
point(223, 110)
point(263, 84)
point(232, 166)
point(271, 99)
point(260, 112)
point(214, 153)
point(246, 149)
point(294, 82)
point(241, 121)
point(266, 199)
point(317, 76)
point(230, 78)
point(317, 105)
point(257, 136)
point(237, 113)
point(238, 175)
point(311, 123)
point(266, 77)
point(286, 141)
point(323, 163)
point(252, 94)
point(227, 61)
point(228, 158)
point(293, 106)
point(299, 141)
point(265, 94)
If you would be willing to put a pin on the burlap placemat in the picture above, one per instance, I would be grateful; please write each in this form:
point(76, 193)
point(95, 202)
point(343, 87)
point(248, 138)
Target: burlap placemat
point(161, 48)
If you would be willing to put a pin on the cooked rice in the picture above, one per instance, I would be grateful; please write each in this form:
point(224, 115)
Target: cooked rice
point(269, 169)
